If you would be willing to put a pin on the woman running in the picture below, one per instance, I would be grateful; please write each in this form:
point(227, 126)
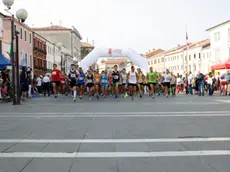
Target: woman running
point(140, 82)
point(104, 83)
point(90, 85)
point(167, 79)
point(153, 79)
point(116, 78)
point(97, 82)
point(124, 82)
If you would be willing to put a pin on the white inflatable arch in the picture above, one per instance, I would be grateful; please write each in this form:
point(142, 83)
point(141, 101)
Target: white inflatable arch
point(133, 56)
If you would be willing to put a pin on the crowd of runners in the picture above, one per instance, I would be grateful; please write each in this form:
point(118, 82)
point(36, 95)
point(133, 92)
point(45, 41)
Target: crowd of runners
point(119, 84)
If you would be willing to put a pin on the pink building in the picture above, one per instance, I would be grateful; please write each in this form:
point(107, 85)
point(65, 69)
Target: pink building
point(25, 39)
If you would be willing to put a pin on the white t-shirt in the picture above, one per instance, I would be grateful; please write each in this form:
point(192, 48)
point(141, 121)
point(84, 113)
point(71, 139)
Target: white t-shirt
point(167, 77)
point(45, 79)
point(173, 80)
point(39, 81)
point(132, 78)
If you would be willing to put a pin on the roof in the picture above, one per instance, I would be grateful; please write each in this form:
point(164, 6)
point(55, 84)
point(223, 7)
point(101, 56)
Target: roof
point(174, 50)
point(154, 52)
point(86, 44)
point(115, 61)
point(52, 28)
point(200, 44)
point(228, 21)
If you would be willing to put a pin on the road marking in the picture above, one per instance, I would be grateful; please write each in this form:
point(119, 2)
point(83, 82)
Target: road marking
point(115, 114)
point(114, 154)
point(158, 140)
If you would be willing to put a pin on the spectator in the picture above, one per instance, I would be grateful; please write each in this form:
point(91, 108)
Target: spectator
point(39, 84)
point(46, 84)
point(24, 82)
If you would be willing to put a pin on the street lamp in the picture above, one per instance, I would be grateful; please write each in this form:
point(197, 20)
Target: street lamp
point(22, 16)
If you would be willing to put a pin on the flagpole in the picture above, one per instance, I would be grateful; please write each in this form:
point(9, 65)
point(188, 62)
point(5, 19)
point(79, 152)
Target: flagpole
point(187, 50)
point(13, 61)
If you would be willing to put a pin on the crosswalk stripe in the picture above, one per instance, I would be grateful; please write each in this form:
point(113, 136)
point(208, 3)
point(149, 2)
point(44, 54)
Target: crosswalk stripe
point(157, 140)
point(115, 154)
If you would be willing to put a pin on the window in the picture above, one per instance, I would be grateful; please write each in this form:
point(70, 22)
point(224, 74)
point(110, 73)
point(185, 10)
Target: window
point(151, 62)
point(25, 34)
point(194, 56)
point(155, 61)
point(217, 36)
point(189, 68)
point(158, 60)
point(26, 60)
point(228, 33)
point(21, 33)
point(178, 66)
point(189, 57)
point(15, 29)
point(162, 59)
point(181, 67)
point(30, 38)
point(177, 57)
point(31, 61)
point(199, 56)
point(203, 55)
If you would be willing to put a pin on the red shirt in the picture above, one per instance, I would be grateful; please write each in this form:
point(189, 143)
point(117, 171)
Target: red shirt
point(56, 74)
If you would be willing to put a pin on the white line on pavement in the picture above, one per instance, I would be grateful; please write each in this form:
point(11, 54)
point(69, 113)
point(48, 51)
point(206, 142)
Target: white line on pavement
point(114, 154)
point(158, 140)
point(134, 115)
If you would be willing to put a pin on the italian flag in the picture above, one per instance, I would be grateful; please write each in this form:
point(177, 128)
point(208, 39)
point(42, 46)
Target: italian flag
point(11, 53)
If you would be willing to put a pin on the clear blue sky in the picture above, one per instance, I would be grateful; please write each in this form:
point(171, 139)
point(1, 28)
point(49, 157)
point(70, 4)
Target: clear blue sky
point(137, 24)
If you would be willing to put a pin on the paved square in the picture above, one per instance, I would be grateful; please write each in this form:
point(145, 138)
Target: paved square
point(181, 134)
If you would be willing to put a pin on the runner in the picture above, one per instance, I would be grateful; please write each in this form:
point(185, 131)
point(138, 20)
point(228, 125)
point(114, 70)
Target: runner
point(104, 83)
point(124, 82)
point(140, 82)
point(56, 79)
point(81, 82)
point(73, 75)
point(90, 85)
point(115, 83)
point(132, 79)
point(173, 84)
point(167, 79)
point(97, 82)
point(152, 78)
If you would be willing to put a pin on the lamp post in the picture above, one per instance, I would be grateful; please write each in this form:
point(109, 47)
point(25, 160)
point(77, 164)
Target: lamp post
point(22, 15)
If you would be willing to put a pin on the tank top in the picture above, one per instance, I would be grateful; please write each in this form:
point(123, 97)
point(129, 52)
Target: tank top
point(89, 79)
point(132, 78)
point(81, 79)
point(104, 79)
point(140, 77)
point(72, 75)
point(97, 78)
point(115, 76)
point(123, 78)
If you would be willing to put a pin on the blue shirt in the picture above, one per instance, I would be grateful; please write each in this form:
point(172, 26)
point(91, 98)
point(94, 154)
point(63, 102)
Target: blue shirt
point(104, 79)
point(81, 79)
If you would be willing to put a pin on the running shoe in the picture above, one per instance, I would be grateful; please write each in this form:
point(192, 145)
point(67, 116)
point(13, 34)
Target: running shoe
point(80, 97)
point(125, 95)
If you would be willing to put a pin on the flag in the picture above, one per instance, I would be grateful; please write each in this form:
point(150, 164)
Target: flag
point(11, 54)
point(187, 37)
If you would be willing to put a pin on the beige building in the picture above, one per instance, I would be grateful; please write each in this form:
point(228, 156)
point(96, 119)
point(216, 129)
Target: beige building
point(156, 60)
point(69, 37)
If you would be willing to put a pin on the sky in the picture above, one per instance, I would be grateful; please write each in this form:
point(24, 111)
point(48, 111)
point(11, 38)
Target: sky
point(139, 24)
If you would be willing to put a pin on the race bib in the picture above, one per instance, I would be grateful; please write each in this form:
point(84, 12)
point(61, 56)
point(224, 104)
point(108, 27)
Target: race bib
point(104, 81)
point(63, 82)
point(81, 78)
point(54, 73)
point(97, 80)
point(90, 80)
point(72, 75)
point(115, 76)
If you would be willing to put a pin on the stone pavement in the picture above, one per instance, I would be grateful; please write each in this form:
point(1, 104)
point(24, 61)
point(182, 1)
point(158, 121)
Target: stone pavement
point(181, 134)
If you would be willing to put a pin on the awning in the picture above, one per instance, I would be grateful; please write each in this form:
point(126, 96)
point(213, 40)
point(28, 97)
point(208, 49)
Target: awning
point(221, 66)
point(4, 62)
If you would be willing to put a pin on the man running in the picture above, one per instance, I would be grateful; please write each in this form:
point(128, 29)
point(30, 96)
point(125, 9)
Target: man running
point(73, 75)
point(81, 82)
point(56, 79)
point(124, 82)
point(152, 78)
point(132, 79)
point(116, 78)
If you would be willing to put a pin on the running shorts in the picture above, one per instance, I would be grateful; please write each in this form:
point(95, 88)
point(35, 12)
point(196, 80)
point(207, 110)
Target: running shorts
point(115, 84)
point(104, 84)
point(73, 83)
point(58, 83)
point(167, 84)
point(90, 85)
point(132, 85)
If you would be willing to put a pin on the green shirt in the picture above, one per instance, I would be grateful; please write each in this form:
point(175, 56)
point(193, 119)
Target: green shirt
point(153, 77)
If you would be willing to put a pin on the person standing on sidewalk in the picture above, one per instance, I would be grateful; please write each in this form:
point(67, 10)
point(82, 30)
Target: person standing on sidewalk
point(39, 84)
point(46, 85)
point(200, 82)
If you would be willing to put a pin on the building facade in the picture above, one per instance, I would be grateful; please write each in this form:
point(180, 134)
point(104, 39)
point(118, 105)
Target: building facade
point(220, 41)
point(25, 39)
point(69, 37)
point(53, 55)
point(39, 55)
point(86, 48)
point(156, 60)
